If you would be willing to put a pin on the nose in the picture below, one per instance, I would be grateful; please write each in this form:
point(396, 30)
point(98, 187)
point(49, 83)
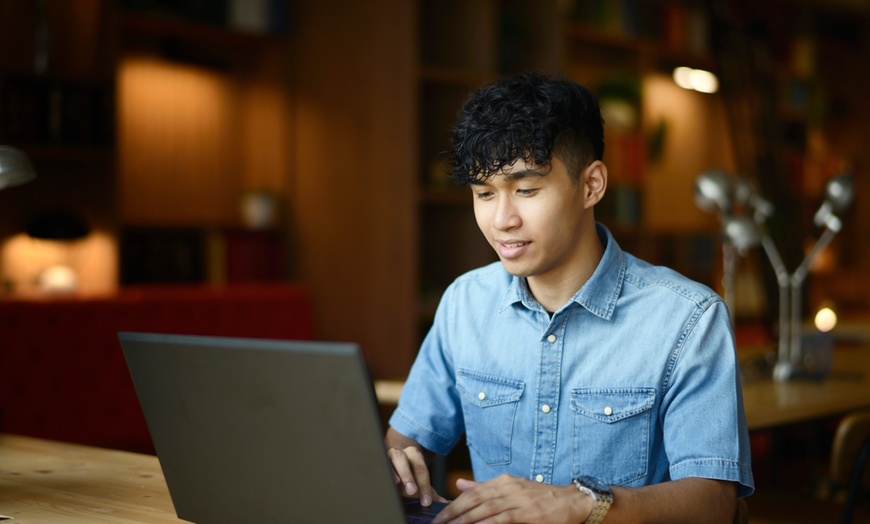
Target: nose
point(506, 215)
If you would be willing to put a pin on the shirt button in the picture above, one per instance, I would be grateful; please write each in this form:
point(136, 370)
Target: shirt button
point(539, 478)
point(545, 408)
point(482, 396)
point(551, 339)
point(608, 411)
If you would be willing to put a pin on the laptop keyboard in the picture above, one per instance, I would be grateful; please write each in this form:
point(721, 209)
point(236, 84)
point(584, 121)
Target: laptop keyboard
point(417, 514)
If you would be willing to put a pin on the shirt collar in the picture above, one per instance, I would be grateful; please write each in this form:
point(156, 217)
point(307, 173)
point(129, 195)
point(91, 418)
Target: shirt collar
point(598, 294)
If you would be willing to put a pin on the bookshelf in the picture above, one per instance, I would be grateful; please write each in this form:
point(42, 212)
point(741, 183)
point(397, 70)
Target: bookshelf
point(57, 99)
point(456, 54)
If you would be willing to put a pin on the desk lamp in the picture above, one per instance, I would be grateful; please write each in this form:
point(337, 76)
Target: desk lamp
point(716, 191)
point(15, 168)
point(839, 192)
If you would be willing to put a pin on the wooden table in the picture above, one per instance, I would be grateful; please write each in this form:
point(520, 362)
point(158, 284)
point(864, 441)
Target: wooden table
point(43, 481)
point(770, 404)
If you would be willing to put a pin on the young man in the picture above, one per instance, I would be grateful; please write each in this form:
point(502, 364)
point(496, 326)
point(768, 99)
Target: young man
point(590, 385)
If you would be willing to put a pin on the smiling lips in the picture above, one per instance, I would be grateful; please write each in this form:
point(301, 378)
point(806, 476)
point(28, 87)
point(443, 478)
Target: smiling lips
point(511, 249)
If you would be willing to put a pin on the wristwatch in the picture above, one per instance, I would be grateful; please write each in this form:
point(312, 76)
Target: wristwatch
point(601, 495)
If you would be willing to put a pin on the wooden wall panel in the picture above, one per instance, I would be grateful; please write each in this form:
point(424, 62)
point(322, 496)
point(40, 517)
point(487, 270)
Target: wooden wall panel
point(178, 142)
point(266, 127)
point(353, 198)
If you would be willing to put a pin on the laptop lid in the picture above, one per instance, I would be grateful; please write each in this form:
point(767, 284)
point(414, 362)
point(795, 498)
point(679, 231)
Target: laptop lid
point(263, 430)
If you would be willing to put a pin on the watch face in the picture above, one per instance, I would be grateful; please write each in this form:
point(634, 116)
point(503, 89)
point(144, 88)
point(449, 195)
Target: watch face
point(595, 485)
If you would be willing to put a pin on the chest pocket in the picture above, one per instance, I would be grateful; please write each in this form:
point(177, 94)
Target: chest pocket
point(489, 404)
point(611, 436)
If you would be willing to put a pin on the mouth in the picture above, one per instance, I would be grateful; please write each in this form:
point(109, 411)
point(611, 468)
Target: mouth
point(512, 249)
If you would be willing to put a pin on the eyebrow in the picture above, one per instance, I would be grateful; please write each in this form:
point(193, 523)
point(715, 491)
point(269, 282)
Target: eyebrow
point(527, 173)
point(510, 177)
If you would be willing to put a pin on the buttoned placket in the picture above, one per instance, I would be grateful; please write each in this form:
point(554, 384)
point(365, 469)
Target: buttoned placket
point(547, 407)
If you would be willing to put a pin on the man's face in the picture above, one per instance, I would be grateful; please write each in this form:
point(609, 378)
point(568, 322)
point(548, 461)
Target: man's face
point(534, 218)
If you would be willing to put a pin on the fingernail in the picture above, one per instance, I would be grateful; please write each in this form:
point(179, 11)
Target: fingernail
point(410, 488)
point(426, 500)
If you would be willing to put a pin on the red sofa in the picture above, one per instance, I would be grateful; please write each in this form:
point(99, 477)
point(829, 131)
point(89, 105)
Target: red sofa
point(62, 372)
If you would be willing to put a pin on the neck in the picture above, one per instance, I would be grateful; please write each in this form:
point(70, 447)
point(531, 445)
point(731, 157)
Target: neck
point(554, 290)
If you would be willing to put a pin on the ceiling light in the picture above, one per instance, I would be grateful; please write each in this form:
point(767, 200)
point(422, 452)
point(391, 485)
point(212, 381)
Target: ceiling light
point(696, 79)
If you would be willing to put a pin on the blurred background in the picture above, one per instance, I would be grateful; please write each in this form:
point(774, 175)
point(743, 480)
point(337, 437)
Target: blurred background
point(225, 142)
point(286, 140)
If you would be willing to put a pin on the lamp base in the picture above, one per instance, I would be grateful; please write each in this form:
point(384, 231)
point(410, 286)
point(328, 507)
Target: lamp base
point(783, 371)
point(814, 361)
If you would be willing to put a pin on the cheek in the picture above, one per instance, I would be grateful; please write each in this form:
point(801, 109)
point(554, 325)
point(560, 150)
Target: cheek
point(481, 218)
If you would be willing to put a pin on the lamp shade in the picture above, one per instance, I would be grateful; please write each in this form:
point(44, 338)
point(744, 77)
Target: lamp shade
point(839, 192)
point(742, 232)
point(15, 168)
point(713, 191)
point(58, 225)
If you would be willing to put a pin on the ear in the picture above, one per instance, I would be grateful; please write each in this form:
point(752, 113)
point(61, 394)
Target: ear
point(594, 182)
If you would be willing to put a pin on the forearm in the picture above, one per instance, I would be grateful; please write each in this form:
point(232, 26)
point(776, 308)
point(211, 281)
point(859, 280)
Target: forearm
point(688, 500)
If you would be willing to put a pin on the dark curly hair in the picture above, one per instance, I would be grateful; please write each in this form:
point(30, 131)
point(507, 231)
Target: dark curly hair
point(527, 117)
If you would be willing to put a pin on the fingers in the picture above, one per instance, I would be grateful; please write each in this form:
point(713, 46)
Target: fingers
point(478, 500)
point(438, 498)
point(411, 473)
point(465, 484)
point(510, 499)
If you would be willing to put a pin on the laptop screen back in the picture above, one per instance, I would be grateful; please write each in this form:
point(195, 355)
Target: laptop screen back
point(263, 430)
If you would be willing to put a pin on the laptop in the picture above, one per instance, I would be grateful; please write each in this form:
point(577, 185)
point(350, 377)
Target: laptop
point(255, 430)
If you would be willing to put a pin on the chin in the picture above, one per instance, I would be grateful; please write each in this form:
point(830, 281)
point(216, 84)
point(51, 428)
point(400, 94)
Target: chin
point(517, 270)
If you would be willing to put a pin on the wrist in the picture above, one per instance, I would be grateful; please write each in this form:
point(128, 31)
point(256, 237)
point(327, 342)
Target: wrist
point(600, 494)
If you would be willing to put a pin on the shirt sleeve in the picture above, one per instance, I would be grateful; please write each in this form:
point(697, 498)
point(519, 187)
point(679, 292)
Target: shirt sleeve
point(429, 409)
point(705, 433)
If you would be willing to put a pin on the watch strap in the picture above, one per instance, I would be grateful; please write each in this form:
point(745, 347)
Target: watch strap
point(602, 497)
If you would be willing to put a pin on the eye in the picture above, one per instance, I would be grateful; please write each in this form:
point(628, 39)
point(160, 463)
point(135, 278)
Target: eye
point(526, 192)
point(483, 195)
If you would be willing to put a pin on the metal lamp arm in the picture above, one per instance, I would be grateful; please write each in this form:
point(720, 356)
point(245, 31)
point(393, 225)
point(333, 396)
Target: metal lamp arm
point(801, 272)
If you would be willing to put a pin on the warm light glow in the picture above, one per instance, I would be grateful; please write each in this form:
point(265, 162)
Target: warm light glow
point(696, 138)
point(826, 319)
point(94, 260)
point(58, 279)
point(696, 80)
point(177, 138)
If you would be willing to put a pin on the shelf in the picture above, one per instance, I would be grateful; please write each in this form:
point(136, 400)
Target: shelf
point(585, 34)
point(49, 112)
point(62, 154)
point(165, 27)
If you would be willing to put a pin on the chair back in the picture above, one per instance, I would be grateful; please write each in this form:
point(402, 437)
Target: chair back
point(852, 433)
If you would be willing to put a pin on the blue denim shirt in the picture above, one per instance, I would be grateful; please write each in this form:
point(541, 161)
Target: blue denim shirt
point(633, 381)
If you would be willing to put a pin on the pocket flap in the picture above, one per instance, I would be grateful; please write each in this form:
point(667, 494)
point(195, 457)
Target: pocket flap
point(612, 405)
point(486, 390)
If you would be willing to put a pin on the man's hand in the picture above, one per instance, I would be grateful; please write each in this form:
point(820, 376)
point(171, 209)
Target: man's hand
point(507, 499)
point(510, 499)
point(410, 468)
